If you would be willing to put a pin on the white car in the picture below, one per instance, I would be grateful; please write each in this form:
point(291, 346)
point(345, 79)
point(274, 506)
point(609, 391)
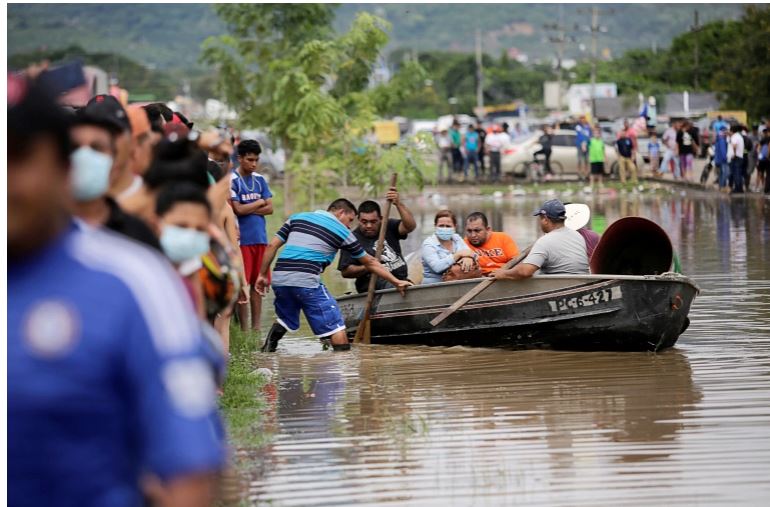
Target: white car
point(563, 154)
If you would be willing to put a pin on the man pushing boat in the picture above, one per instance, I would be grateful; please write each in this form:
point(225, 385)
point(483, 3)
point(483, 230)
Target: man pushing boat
point(312, 240)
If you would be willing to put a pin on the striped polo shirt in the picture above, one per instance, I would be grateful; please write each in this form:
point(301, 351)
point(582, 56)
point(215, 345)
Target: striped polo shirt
point(311, 243)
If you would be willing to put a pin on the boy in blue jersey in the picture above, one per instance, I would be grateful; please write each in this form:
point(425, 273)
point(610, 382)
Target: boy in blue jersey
point(312, 240)
point(251, 199)
point(107, 380)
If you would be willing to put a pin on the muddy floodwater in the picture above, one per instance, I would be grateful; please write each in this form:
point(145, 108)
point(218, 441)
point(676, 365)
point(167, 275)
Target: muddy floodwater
point(462, 426)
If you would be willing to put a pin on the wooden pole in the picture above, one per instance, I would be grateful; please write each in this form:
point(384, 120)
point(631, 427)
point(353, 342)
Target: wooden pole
point(364, 331)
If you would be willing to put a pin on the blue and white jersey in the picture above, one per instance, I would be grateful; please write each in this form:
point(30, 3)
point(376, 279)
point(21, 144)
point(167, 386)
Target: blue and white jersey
point(582, 135)
point(312, 241)
point(107, 376)
point(253, 228)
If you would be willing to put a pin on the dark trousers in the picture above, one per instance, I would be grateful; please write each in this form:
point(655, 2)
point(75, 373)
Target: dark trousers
point(481, 161)
point(494, 162)
point(457, 160)
point(473, 158)
point(736, 171)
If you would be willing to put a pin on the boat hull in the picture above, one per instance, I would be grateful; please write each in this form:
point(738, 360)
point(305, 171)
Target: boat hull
point(592, 312)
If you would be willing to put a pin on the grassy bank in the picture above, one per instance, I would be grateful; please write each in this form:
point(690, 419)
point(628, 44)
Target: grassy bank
point(242, 402)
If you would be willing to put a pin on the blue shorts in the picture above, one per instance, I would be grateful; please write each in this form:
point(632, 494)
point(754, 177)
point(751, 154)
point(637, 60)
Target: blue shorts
point(319, 307)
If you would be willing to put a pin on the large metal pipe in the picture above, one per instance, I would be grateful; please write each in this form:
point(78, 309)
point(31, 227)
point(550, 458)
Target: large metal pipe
point(633, 246)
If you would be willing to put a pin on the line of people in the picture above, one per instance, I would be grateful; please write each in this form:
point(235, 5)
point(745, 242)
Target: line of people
point(113, 365)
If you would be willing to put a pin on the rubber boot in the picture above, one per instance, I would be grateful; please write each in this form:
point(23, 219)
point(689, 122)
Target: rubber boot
point(340, 348)
point(275, 334)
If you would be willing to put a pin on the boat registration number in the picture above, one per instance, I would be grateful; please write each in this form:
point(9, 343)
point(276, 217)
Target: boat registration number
point(589, 299)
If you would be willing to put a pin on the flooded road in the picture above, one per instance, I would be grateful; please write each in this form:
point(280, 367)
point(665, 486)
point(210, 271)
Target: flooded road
point(460, 426)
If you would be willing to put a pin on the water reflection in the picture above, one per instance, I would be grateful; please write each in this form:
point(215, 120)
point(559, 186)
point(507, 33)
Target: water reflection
point(457, 426)
point(398, 415)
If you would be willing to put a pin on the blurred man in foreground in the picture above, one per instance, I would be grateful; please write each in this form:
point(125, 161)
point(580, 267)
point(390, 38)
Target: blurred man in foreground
point(107, 379)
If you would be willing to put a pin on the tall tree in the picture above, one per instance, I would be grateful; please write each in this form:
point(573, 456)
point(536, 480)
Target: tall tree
point(284, 70)
point(743, 76)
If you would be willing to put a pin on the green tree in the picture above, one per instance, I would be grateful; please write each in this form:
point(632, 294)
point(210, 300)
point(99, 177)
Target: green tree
point(283, 69)
point(744, 74)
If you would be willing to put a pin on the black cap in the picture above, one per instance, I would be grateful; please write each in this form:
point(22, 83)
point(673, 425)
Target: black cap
point(33, 113)
point(105, 110)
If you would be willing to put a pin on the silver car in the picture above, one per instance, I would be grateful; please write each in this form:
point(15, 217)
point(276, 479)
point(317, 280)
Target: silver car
point(564, 151)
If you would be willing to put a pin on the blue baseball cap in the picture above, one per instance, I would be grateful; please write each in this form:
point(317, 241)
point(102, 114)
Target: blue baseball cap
point(552, 209)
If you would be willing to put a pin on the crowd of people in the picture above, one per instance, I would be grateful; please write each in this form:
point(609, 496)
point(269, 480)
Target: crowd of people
point(458, 150)
point(735, 152)
point(131, 240)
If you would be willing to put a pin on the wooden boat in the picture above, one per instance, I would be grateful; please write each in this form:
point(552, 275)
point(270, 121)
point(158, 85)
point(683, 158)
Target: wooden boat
point(597, 311)
point(620, 312)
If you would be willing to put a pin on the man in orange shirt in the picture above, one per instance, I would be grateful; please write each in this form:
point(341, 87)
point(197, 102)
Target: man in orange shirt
point(493, 248)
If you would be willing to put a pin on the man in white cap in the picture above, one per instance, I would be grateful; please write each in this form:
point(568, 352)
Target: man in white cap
point(560, 251)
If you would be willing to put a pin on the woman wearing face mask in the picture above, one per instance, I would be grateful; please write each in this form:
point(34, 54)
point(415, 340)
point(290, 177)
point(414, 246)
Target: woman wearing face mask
point(184, 216)
point(444, 248)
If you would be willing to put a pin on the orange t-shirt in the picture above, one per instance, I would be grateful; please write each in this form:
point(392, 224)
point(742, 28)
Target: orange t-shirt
point(499, 249)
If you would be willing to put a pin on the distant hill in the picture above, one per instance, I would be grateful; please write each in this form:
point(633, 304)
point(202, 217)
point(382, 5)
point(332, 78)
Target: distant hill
point(169, 35)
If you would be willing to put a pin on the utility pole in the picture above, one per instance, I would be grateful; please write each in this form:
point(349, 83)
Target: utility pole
point(559, 40)
point(695, 28)
point(479, 73)
point(595, 29)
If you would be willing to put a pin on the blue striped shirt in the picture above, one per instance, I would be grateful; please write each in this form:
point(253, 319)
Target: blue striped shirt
point(312, 240)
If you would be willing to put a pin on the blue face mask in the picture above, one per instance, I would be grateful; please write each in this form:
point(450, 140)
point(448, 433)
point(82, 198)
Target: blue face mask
point(181, 244)
point(90, 173)
point(445, 233)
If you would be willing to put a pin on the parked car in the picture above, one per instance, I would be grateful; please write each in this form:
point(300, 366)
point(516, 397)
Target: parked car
point(272, 161)
point(563, 151)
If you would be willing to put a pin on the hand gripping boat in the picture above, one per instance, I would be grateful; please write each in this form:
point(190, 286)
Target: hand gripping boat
point(631, 301)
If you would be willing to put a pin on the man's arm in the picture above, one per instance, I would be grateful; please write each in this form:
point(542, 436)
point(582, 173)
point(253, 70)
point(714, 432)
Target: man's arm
point(353, 271)
point(267, 209)
point(518, 272)
point(372, 265)
point(253, 208)
point(408, 223)
point(267, 260)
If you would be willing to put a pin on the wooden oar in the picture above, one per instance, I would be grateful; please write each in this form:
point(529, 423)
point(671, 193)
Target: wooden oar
point(364, 331)
point(478, 289)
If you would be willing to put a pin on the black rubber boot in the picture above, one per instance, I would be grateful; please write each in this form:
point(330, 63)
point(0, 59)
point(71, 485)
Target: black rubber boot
point(340, 348)
point(275, 334)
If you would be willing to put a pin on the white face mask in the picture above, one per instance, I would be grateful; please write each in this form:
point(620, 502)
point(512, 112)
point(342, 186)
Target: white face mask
point(445, 233)
point(181, 244)
point(90, 173)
